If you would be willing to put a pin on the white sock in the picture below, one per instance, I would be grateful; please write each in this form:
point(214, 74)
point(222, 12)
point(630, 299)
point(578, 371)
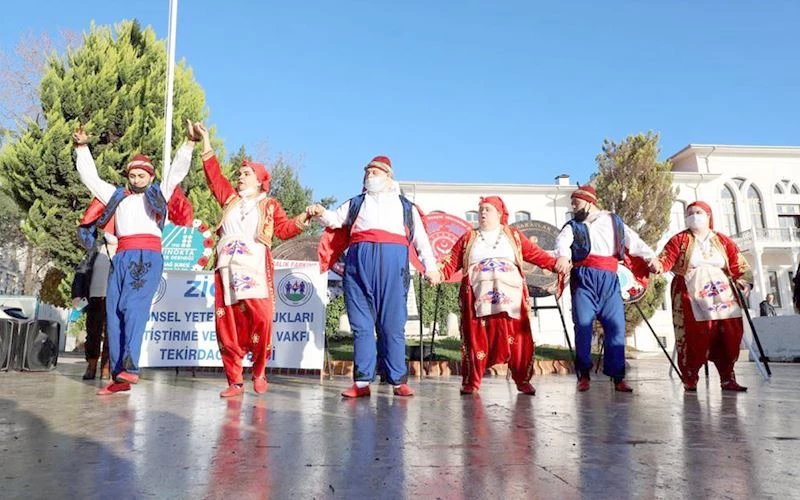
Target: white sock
point(361, 384)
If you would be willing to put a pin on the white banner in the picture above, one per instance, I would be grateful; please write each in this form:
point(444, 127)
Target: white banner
point(181, 330)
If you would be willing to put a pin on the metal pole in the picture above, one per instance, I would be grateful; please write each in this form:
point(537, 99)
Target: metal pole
point(763, 357)
point(419, 373)
point(671, 362)
point(173, 22)
point(435, 316)
point(569, 342)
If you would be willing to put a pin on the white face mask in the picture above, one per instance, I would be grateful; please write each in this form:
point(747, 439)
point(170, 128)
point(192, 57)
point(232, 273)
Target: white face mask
point(375, 184)
point(697, 221)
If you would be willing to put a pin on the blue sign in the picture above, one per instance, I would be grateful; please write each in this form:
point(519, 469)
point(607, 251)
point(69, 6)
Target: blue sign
point(186, 248)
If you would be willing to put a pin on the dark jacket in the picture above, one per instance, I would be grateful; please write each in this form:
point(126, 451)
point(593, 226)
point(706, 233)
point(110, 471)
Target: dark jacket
point(766, 309)
point(83, 274)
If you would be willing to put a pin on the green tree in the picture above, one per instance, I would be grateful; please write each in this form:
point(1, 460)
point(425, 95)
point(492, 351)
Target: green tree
point(113, 83)
point(635, 185)
point(448, 302)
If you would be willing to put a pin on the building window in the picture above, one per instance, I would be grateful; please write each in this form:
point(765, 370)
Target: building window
point(778, 189)
point(739, 181)
point(677, 216)
point(756, 207)
point(522, 216)
point(773, 287)
point(794, 189)
point(730, 221)
point(472, 218)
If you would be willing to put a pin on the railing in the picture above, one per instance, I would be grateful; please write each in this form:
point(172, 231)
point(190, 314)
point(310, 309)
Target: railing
point(785, 235)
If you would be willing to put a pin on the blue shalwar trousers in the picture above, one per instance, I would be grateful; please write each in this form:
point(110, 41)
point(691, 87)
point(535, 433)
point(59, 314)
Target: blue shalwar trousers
point(596, 294)
point(132, 283)
point(376, 284)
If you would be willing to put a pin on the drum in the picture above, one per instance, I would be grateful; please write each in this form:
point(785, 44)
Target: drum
point(541, 282)
point(630, 288)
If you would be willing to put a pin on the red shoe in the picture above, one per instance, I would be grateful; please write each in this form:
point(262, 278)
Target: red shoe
point(356, 392)
point(527, 388)
point(468, 389)
point(260, 385)
point(583, 384)
point(622, 386)
point(113, 387)
point(732, 385)
point(403, 390)
point(126, 377)
point(232, 390)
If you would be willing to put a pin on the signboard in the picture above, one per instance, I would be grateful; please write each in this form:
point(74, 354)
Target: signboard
point(443, 232)
point(541, 282)
point(186, 248)
point(181, 330)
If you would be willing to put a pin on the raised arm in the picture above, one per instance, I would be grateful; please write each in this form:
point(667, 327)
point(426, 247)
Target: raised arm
point(174, 173)
point(219, 185)
point(87, 170)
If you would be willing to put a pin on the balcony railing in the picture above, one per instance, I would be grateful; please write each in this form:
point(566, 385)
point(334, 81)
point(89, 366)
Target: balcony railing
point(775, 236)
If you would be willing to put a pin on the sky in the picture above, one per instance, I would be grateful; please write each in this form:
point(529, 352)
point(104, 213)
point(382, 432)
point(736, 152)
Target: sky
point(469, 91)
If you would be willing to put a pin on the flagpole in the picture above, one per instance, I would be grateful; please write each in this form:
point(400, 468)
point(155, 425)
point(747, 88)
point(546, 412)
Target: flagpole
point(173, 22)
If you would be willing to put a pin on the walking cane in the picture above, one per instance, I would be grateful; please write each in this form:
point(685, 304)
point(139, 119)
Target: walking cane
point(763, 357)
point(569, 342)
point(671, 362)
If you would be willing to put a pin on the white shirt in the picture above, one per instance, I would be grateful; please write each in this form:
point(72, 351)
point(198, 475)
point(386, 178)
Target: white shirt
point(133, 215)
point(242, 218)
point(384, 211)
point(485, 240)
point(706, 254)
point(601, 234)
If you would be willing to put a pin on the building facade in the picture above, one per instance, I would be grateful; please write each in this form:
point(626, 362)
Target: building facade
point(754, 192)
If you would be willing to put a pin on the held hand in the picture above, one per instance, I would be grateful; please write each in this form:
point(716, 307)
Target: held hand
point(434, 277)
point(655, 266)
point(191, 132)
point(200, 131)
point(563, 265)
point(75, 302)
point(79, 138)
point(744, 287)
point(315, 210)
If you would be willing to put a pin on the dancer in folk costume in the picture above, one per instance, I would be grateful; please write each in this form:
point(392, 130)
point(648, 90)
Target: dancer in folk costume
point(706, 314)
point(495, 326)
point(139, 212)
point(244, 275)
point(592, 245)
point(377, 228)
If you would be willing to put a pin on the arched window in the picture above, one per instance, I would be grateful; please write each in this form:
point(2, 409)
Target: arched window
point(522, 216)
point(756, 207)
point(794, 189)
point(778, 189)
point(739, 181)
point(472, 218)
point(730, 222)
point(677, 217)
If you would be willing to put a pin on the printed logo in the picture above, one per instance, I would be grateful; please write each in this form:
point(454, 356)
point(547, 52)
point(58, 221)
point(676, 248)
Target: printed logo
point(295, 289)
point(161, 290)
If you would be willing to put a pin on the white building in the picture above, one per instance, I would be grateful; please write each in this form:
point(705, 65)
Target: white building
point(754, 192)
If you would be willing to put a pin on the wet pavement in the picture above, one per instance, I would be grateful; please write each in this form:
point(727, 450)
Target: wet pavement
point(173, 437)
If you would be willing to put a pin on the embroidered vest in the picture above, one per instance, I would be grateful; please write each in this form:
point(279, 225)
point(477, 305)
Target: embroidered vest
point(582, 243)
point(87, 233)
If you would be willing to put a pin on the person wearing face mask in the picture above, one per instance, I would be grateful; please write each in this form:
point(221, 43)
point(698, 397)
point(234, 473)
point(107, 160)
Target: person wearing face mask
point(244, 300)
point(706, 314)
point(377, 228)
point(495, 326)
point(135, 214)
point(590, 247)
